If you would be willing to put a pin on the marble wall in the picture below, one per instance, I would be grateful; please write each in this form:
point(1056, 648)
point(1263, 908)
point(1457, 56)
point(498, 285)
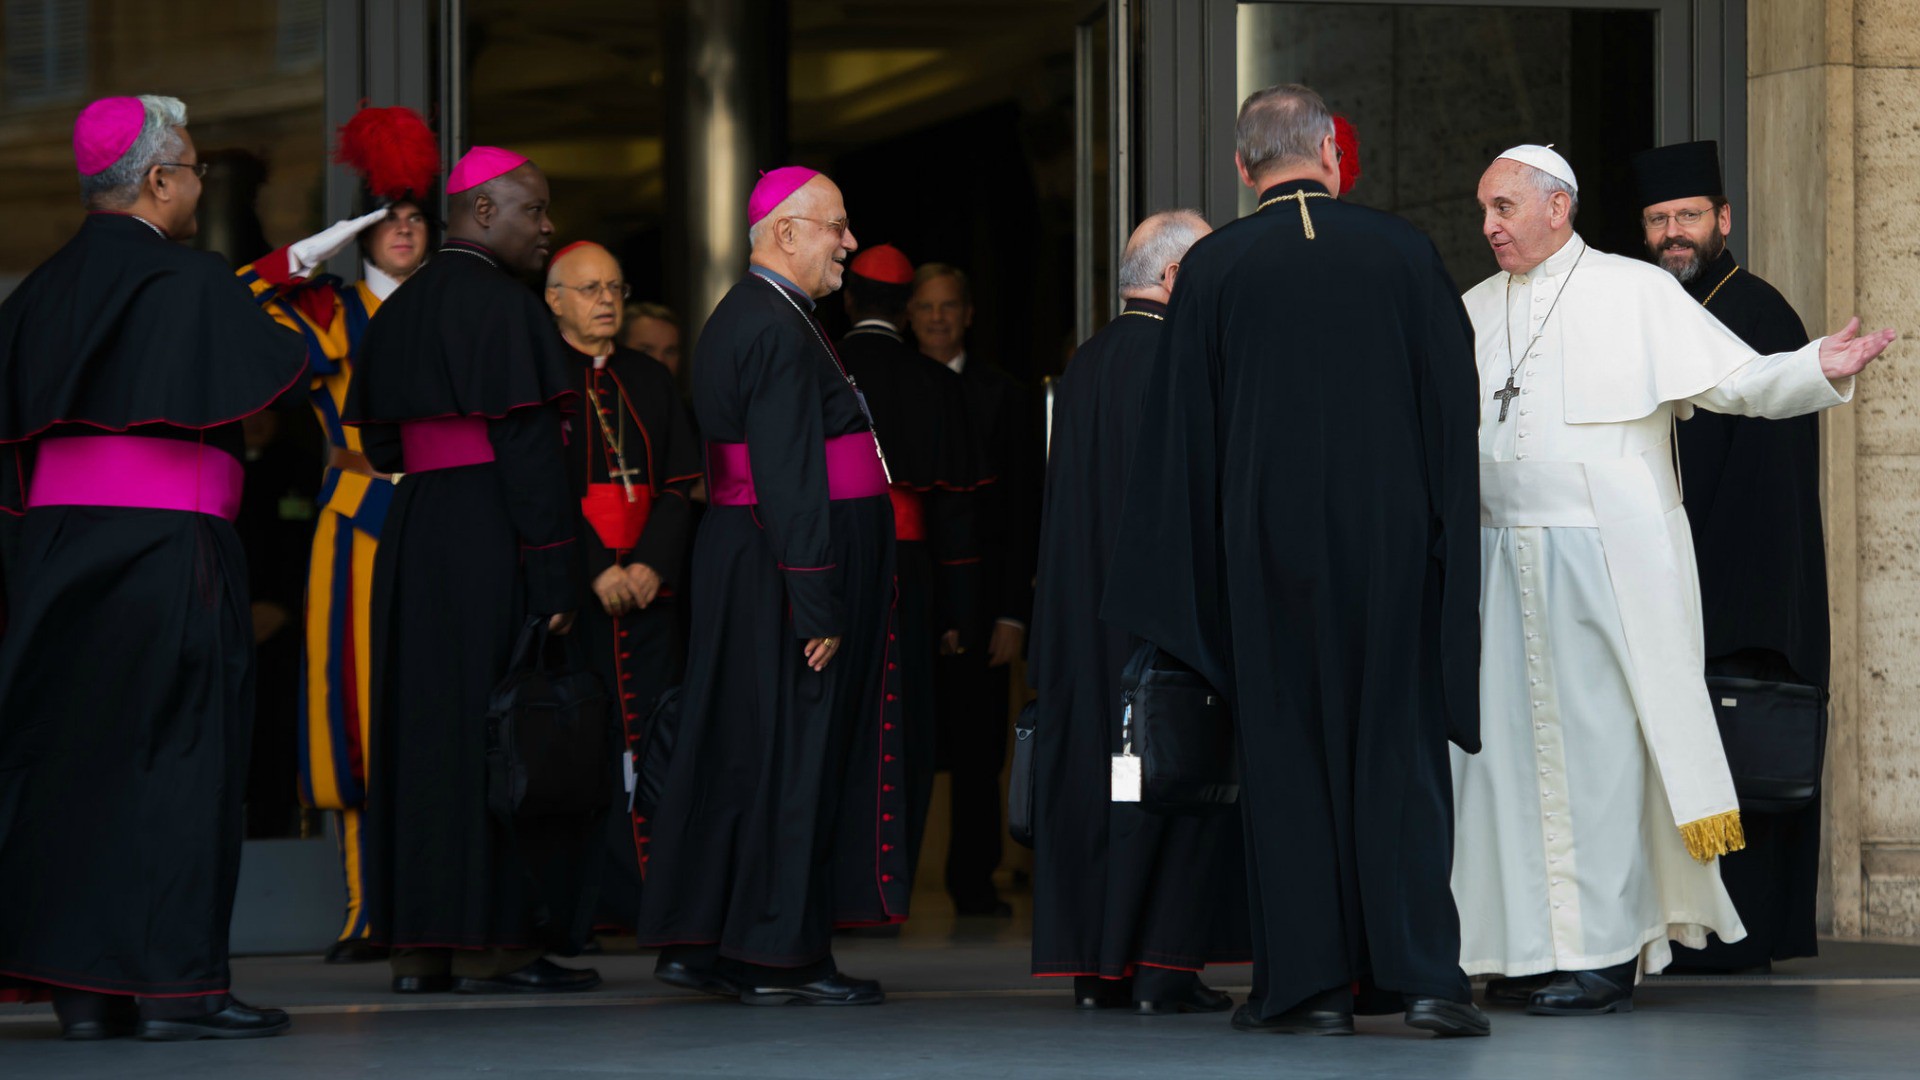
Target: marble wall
point(1834, 139)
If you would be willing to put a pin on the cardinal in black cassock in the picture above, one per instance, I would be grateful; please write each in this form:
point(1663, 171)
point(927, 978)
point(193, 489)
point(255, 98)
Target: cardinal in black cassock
point(1752, 489)
point(1301, 527)
point(783, 811)
point(462, 386)
point(920, 415)
point(1132, 904)
point(127, 362)
point(634, 461)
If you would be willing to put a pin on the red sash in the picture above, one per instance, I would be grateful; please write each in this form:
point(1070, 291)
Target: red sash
point(909, 514)
point(616, 521)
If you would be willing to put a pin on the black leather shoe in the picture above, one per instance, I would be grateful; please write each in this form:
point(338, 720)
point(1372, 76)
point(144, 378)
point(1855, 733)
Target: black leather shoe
point(686, 976)
point(1586, 993)
point(115, 1018)
point(543, 976)
point(236, 1021)
point(1092, 992)
point(1447, 1019)
point(1295, 1021)
point(835, 989)
point(422, 984)
point(356, 951)
point(1516, 991)
point(1203, 999)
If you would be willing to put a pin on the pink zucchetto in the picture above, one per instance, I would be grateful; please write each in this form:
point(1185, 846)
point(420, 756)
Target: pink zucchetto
point(773, 189)
point(481, 164)
point(104, 132)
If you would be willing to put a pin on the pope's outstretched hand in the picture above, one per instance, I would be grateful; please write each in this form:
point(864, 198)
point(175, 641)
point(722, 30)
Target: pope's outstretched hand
point(1844, 354)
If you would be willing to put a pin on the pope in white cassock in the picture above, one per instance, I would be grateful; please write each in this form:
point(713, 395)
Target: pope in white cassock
point(1589, 825)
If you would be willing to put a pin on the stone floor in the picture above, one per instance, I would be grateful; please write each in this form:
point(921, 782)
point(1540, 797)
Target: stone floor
point(961, 1005)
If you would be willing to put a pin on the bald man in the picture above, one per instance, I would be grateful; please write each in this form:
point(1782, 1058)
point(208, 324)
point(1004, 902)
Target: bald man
point(633, 461)
point(1131, 904)
point(783, 811)
point(461, 387)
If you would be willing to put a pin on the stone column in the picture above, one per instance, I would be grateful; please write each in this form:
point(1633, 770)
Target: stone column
point(1833, 92)
point(727, 78)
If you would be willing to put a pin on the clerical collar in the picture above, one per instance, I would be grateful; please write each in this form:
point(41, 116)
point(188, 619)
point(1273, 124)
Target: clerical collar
point(378, 281)
point(599, 360)
point(468, 247)
point(1144, 306)
point(876, 326)
point(780, 280)
point(958, 363)
point(157, 230)
point(1556, 264)
point(1288, 187)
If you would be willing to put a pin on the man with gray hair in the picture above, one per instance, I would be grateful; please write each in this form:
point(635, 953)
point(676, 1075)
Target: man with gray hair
point(1589, 824)
point(1129, 903)
point(1309, 552)
point(127, 362)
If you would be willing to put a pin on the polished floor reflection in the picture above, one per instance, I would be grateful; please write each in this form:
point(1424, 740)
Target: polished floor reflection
point(962, 1006)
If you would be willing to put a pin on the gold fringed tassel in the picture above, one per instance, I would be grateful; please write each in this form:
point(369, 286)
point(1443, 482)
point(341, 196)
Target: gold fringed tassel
point(1714, 836)
point(1306, 220)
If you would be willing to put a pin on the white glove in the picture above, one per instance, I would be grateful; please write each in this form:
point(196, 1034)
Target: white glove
point(306, 256)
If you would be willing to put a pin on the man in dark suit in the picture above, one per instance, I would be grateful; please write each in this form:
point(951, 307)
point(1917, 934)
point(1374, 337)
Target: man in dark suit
point(973, 683)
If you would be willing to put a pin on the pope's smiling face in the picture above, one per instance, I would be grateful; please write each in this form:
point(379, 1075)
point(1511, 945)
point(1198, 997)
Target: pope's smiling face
point(1523, 224)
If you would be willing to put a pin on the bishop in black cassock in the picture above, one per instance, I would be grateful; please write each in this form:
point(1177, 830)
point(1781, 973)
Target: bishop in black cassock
point(633, 461)
point(783, 808)
point(1132, 904)
point(1752, 490)
point(920, 415)
point(127, 362)
point(1301, 527)
point(462, 387)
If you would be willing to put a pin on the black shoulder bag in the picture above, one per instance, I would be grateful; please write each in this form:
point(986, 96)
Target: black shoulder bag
point(1775, 734)
point(1020, 779)
point(1187, 761)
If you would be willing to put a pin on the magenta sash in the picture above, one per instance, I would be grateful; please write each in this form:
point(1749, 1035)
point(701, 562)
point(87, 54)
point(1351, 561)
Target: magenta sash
point(136, 471)
point(426, 445)
point(853, 470)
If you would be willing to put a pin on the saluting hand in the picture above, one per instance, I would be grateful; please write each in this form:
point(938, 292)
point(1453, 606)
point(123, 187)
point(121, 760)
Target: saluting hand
point(1844, 354)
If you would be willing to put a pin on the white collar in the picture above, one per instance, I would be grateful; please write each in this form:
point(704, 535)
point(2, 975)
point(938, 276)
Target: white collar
point(959, 363)
point(880, 324)
point(157, 230)
point(378, 280)
point(1556, 264)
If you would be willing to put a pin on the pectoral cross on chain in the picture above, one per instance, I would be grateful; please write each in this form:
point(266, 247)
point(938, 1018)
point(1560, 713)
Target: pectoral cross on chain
point(1506, 394)
point(625, 476)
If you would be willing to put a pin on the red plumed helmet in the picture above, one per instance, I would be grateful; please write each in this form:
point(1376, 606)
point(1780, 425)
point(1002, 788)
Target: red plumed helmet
point(1348, 141)
point(393, 150)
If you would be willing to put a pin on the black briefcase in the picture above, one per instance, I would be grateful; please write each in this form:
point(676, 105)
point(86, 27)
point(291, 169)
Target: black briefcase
point(1775, 735)
point(550, 737)
point(1020, 779)
point(1182, 733)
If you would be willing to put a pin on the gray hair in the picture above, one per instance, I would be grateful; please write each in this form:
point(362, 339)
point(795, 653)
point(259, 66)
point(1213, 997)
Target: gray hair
point(118, 185)
point(1161, 240)
point(1548, 185)
point(1281, 125)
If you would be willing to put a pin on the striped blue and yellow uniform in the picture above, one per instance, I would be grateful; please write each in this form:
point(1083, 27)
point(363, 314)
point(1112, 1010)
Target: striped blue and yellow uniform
point(336, 669)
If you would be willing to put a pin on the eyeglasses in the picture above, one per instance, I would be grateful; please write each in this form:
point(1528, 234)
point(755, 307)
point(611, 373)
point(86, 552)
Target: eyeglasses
point(619, 290)
point(1688, 218)
point(199, 167)
point(838, 225)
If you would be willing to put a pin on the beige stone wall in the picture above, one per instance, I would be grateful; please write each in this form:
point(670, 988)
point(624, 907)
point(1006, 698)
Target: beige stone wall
point(1834, 139)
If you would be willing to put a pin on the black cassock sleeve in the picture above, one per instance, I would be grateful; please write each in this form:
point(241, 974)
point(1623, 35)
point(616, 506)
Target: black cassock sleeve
point(1167, 579)
point(381, 444)
point(786, 445)
point(1448, 383)
point(953, 536)
point(676, 469)
point(531, 462)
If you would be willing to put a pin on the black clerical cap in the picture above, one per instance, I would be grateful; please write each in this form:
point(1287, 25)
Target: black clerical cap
point(1681, 171)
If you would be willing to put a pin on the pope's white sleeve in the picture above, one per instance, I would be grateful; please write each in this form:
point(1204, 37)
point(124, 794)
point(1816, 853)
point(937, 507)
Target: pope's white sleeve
point(1778, 386)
